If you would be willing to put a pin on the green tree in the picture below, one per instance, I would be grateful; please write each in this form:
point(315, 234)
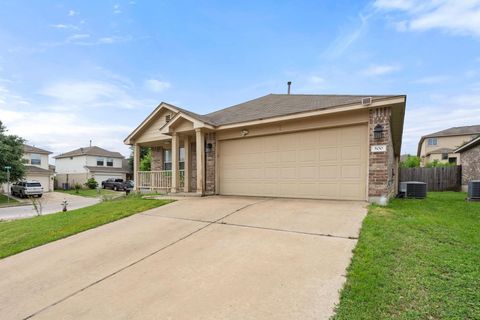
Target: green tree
point(144, 151)
point(146, 161)
point(11, 153)
point(410, 162)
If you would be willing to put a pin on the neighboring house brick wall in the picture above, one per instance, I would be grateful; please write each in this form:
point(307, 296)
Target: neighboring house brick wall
point(381, 164)
point(471, 165)
point(157, 159)
point(210, 138)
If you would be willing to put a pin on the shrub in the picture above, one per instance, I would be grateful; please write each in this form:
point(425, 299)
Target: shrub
point(410, 162)
point(77, 187)
point(436, 163)
point(91, 183)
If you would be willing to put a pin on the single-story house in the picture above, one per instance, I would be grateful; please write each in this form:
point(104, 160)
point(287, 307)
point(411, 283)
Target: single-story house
point(470, 153)
point(78, 165)
point(342, 147)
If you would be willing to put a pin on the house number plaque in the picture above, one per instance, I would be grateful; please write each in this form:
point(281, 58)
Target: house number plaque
point(379, 148)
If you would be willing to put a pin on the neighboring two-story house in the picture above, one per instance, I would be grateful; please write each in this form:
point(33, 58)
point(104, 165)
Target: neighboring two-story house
point(442, 145)
point(79, 165)
point(37, 167)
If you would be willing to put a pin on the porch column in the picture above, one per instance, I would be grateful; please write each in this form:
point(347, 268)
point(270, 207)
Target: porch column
point(200, 141)
point(175, 167)
point(136, 166)
point(188, 159)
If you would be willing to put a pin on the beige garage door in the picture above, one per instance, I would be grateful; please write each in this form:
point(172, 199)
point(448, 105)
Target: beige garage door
point(320, 164)
point(44, 181)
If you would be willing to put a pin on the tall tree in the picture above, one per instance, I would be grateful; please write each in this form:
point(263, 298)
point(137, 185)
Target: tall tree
point(145, 158)
point(11, 155)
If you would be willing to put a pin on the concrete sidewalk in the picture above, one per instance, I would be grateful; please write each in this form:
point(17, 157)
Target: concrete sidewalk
point(198, 258)
point(51, 203)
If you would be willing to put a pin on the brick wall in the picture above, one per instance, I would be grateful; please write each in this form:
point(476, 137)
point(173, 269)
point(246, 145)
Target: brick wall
point(157, 159)
point(381, 175)
point(210, 138)
point(470, 165)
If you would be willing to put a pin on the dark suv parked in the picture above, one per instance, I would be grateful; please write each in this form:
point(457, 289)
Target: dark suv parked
point(114, 184)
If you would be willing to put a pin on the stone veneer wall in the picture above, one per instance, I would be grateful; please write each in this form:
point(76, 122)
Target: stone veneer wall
point(381, 164)
point(210, 163)
point(157, 159)
point(193, 165)
point(470, 165)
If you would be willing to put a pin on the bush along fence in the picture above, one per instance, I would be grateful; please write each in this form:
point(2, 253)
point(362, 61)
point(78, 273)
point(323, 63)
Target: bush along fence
point(437, 178)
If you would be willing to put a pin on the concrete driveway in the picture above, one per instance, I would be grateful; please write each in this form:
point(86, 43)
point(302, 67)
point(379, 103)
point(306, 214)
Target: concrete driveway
point(197, 258)
point(51, 203)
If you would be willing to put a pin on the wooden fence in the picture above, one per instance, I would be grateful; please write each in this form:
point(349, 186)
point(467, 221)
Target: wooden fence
point(437, 179)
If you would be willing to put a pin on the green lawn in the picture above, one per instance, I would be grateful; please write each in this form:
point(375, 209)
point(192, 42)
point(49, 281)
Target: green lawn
point(4, 201)
point(20, 235)
point(92, 193)
point(416, 259)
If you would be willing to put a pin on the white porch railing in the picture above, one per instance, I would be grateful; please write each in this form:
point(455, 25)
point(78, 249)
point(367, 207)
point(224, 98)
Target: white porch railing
point(158, 180)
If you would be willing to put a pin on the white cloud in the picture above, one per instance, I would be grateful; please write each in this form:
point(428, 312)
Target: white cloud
point(69, 94)
point(64, 26)
point(116, 9)
point(316, 79)
point(378, 70)
point(157, 85)
point(453, 16)
point(431, 80)
point(68, 113)
point(72, 13)
point(76, 131)
point(346, 39)
point(86, 40)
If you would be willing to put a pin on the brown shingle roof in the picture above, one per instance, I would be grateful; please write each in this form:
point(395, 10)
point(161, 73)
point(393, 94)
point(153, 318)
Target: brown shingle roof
point(455, 131)
point(37, 170)
point(274, 105)
point(32, 149)
point(441, 150)
point(90, 151)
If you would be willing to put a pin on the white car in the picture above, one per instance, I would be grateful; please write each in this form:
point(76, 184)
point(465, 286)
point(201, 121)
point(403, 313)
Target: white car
point(25, 189)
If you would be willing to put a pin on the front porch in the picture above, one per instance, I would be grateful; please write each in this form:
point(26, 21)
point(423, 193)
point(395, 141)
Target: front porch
point(182, 163)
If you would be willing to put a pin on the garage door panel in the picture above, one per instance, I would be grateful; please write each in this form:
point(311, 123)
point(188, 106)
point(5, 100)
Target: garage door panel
point(350, 172)
point(351, 153)
point(324, 164)
point(327, 153)
point(328, 172)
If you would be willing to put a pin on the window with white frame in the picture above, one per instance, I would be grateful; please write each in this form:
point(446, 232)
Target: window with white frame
point(100, 161)
point(181, 164)
point(35, 159)
point(432, 141)
point(110, 162)
point(167, 159)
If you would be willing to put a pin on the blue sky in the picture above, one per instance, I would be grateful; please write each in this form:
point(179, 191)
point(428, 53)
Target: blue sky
point(80, 70)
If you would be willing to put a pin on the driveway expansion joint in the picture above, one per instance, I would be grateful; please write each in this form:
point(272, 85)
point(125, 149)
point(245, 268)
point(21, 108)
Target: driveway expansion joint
point(254, 227)
point(137, 261)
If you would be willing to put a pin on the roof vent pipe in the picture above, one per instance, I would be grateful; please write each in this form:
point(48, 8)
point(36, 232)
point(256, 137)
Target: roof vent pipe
point(289, 83)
